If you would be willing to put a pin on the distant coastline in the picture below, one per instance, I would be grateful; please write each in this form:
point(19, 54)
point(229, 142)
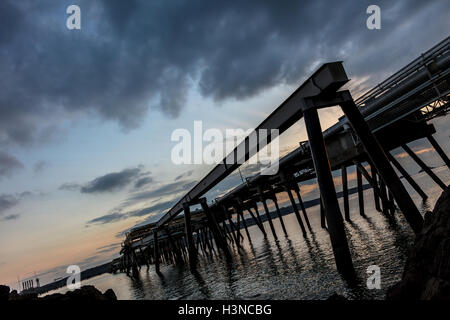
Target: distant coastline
point(86, 274)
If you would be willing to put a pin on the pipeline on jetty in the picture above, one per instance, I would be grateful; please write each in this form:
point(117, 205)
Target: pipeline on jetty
point(391, 115)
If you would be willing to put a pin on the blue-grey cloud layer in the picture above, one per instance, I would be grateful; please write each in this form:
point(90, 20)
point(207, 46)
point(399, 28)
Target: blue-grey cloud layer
point(112, 181)
point(162, 195)
point(8, 164)
point(134, 55)
point(9, 201)
point(153, 210)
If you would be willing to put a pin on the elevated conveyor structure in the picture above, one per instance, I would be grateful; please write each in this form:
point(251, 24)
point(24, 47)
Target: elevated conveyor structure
point(389, 116)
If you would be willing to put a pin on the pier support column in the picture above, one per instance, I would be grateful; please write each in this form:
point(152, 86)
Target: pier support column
point(392, 206)
point(214, 227)
point(190, 240)
point(323, 223)
point(201, 242)
point(287, 188)
point(230, 222)
point(235, 227)
point(175, 249)
point(244, 222)
point(345, 193)
point(407, 177)
point(238, 226)
point(334, 219)
point(207, 240)
point(135, 267)
point(439, 150)
point(376, 193)
point(384, 199)
point(255, 207)
point(360, 193)
point(381, 162)
point(302, 206)
point(275, 201)
point(143, 257)
point(424, 167)
point(156, 250)
point(226, 232)
point(127, 262)
point(239, 211)
point(266, 209)
point(258, 222)
point(182, 244)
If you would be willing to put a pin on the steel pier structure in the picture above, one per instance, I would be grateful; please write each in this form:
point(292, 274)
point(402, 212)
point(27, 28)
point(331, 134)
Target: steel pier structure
point(391, 115)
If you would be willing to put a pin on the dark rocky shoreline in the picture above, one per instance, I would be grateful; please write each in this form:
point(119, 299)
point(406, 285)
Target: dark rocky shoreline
point(85, 293)
point(427, 270)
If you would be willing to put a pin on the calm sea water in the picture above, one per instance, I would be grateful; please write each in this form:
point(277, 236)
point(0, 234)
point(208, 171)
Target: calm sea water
point(291, 267)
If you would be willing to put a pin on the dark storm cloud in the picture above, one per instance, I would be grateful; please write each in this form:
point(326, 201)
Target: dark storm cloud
point(8, 164)
point(153, 214)
point(70, 186)
point(117, 216)
point(184, 175)
point(162, 191)
point(40, 166)
point(142, 182)
point(108, 218)
point(9, 201)
point(11, 217)
point(134, 55)
point(112, 181)
point(156, 194)
point(153, 210)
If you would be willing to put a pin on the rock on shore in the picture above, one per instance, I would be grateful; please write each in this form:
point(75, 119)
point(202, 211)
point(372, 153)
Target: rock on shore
point(85, 293)
point(4, 293)
point(427, 271)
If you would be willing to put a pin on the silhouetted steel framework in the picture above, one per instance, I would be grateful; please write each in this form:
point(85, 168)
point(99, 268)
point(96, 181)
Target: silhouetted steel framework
point(368, 131)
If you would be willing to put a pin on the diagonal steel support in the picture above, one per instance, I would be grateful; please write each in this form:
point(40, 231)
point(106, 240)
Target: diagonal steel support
point(381, 162)
point(439, 150)
point(424, 167)
point(322, 167)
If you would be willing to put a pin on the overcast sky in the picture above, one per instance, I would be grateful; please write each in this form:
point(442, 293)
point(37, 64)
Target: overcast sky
point(86, 115)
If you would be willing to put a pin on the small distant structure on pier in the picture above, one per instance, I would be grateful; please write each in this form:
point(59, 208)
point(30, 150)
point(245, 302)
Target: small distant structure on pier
point(29, 285)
